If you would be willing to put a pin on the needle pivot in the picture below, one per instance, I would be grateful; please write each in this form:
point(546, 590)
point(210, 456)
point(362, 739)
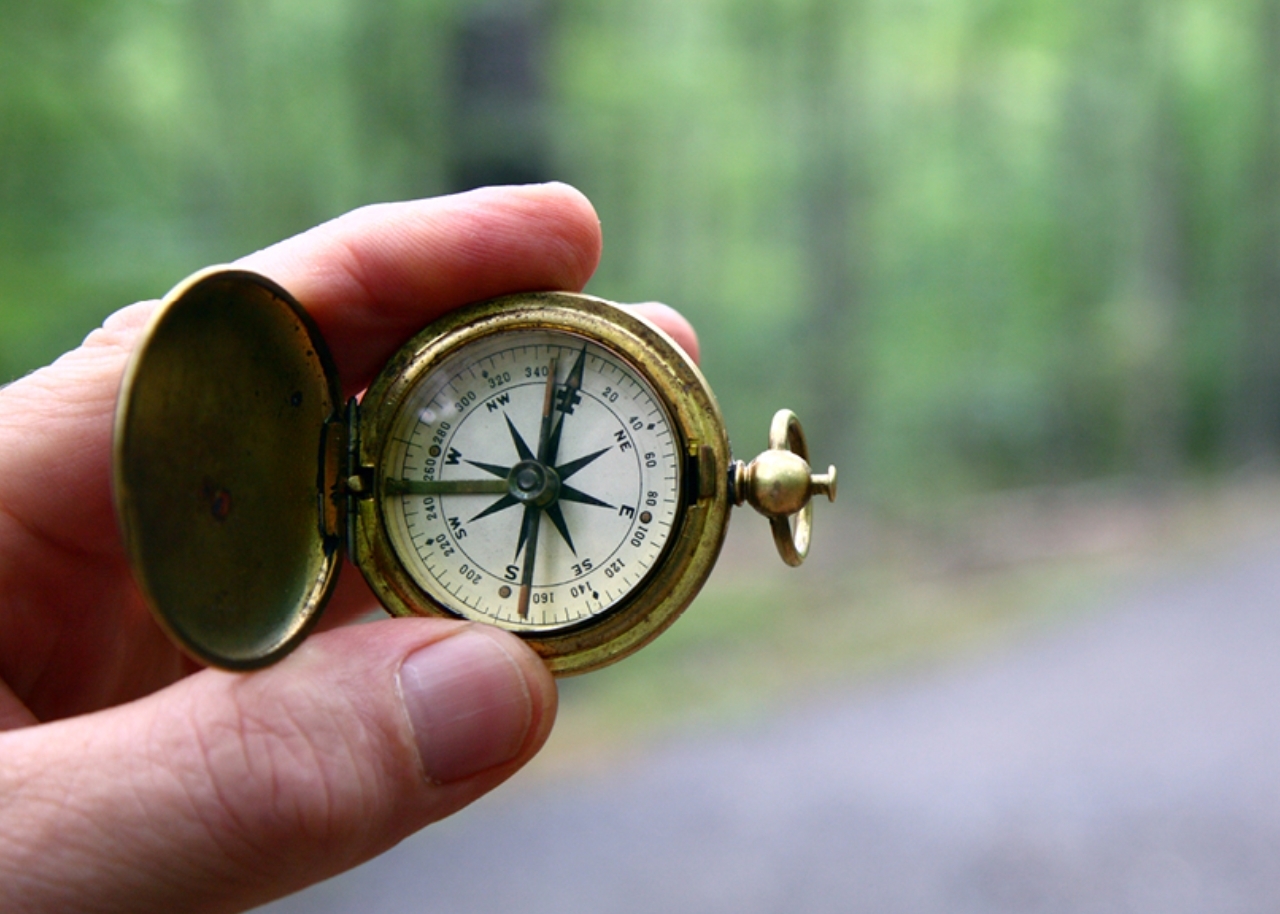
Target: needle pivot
point(533, 484)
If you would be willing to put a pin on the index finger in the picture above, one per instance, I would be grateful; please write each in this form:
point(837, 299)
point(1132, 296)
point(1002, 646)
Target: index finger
point(377, 275)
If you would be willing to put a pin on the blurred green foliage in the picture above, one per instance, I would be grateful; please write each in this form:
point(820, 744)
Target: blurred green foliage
point(975, 243)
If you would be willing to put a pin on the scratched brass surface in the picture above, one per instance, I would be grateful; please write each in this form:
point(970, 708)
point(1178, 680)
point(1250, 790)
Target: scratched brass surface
point(217, 450)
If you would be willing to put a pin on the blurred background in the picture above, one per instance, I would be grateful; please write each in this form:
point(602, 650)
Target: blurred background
point(977, 244)
point(1013, 263)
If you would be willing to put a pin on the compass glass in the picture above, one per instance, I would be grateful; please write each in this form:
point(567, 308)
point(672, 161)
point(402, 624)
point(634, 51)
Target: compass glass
point(531, 479)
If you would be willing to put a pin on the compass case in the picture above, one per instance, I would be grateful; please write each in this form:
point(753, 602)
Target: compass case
point(219, 472)
point(669, 587)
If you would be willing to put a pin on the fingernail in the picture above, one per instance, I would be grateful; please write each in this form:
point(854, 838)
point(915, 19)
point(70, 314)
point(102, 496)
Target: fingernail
point(468, 703)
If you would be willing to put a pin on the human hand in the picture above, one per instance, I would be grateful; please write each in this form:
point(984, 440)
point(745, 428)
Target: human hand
point(131, 781)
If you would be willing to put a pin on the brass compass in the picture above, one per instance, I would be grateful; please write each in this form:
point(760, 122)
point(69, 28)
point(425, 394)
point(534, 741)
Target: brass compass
point(548, 463)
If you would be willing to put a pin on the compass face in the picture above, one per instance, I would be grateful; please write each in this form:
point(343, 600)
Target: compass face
point(530, 480)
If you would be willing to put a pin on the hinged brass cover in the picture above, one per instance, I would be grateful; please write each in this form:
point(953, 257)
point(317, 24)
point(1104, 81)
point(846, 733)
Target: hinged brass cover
point(221, 485)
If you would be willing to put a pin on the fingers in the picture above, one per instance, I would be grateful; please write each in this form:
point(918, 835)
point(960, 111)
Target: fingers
point(224, 791)
point(375, 276)
point(672, 323)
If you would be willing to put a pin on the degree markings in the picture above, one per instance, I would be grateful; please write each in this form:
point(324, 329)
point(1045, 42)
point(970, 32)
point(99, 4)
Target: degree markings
point(634, 399)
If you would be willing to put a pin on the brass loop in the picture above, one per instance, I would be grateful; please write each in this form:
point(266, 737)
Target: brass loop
point(791, 540)
point(785, 434)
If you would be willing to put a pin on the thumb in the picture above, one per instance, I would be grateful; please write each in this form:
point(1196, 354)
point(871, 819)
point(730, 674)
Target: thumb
point(226, 790)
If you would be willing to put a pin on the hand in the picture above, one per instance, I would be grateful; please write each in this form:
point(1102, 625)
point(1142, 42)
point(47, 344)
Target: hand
point(130, 781)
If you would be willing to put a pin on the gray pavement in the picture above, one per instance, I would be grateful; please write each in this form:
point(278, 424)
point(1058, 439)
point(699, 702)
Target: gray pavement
point(1126, 761)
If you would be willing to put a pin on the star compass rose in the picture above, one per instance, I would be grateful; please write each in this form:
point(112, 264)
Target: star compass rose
point(548, 431)
point(536, 481)
point(539, 487)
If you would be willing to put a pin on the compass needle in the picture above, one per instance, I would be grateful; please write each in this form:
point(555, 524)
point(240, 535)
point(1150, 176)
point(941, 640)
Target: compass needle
point(444, 486)
point(544, 433)
point(566, 401)
point(524, 532)
point(533, 511)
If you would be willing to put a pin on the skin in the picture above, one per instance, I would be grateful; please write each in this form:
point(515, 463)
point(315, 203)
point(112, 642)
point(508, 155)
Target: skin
point(133, 780)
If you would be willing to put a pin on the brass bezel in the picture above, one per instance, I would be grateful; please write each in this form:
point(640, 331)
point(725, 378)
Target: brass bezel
point(703, 517)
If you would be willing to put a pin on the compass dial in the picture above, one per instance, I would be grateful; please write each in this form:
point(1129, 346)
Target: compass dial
point(531, 480)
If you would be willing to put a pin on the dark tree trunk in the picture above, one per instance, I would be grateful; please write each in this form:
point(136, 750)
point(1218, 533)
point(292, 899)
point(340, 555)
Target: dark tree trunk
point(831, 233)
point(1256, 422)
point(1155, 415)
point(498, 131)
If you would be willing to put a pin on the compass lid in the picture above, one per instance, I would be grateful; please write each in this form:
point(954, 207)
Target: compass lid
point(218, 468)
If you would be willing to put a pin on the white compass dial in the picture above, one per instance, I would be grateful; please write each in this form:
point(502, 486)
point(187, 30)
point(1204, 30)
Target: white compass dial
point(532, 480)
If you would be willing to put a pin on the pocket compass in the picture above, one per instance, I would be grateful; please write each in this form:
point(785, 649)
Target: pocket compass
point(549, 463)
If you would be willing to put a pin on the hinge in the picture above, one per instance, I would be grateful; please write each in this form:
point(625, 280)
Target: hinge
point(342, 479)
point(699, 473)
point(356, 481)
point(331, 507)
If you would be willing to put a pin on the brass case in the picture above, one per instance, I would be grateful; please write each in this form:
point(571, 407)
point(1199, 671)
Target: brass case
point(694, 545)
point(218, 472)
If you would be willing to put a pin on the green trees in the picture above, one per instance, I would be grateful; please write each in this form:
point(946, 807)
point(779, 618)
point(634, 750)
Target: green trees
point(975, 243)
